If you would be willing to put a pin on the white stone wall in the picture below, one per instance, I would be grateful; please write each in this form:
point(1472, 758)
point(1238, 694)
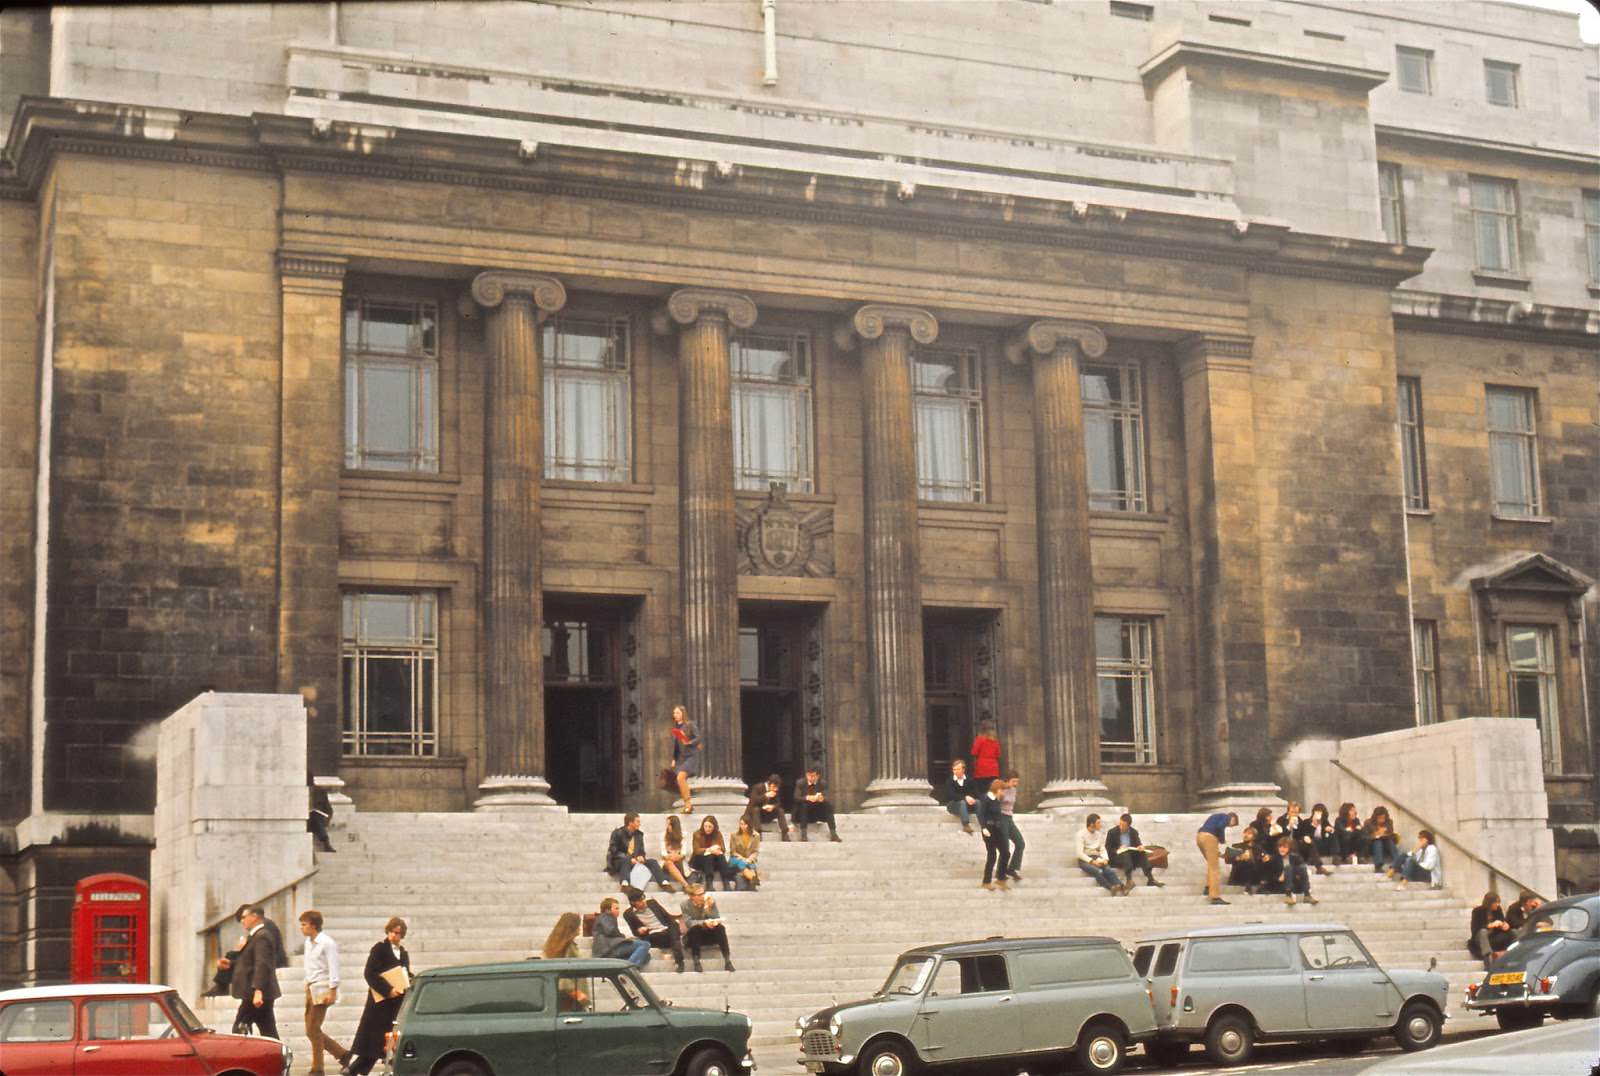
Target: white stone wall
point(230, 823)
point(1479, 780)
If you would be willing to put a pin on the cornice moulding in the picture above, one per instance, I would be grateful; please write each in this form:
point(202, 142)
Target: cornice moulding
point(1183, 52)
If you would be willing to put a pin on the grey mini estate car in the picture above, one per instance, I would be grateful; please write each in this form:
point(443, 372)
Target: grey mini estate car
point(1552, 969)
point(993, 1006)
point(1231, 987)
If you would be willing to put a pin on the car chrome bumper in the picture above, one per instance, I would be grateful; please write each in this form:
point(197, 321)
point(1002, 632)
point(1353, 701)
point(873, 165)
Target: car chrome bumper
point(1490, 1004)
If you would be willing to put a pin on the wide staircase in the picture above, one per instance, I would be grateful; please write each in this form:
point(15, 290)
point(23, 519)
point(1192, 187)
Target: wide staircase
point(826, 924)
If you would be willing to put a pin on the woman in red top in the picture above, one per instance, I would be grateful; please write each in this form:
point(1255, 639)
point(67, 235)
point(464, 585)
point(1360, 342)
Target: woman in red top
point(985, 754)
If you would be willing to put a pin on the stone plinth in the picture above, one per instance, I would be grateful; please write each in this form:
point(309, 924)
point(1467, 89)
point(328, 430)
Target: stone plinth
point(1477, 782)
point(230, 824)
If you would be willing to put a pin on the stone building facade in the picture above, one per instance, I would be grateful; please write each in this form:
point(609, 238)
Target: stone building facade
point(498, 376)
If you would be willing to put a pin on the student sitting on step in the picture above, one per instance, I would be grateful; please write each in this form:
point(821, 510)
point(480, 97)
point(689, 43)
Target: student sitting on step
point(811, 804)
point(1490, 933)
point(710, 856)
point(1247, 862)
point(1421, 864)
point(766, 805)
point(1293, 878)
point(704, 924)
point(1351, 834)
point(743, 851)
point(1092, 857)
point(961, 795)
point(1293, 824)
point(1382, 841)
point(650, 922)
point(626, 851)
point(672, 857)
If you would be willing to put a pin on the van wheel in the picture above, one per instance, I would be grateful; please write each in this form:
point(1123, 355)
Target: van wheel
point(709, 1062)
point(1101, 1049)
point(887, 1059)
point(1418, 1026)
point(1229, 1040)
point(1518, 1019)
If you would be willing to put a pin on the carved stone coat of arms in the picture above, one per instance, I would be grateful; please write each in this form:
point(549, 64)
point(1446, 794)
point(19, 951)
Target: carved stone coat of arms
point(779, 539)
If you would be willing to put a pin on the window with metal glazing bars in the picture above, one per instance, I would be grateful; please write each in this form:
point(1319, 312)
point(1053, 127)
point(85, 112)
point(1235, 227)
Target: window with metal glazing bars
point(1113, 430)
point(1425, 659)
point(1413, 453)
point(390, 663)
point(587, 400)
point(1513, 451)
point(1494, 224)
point(772, 423)
point(391, 375)
point(949, 424)
point(1125, 676)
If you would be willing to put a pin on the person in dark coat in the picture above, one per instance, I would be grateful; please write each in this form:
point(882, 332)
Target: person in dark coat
point(811, 804)
point(317, 819)
point(1126, 852)
point(255, 974)
point(997, 850)
point(377, 1017)
point(626, 850)
point(960, 796)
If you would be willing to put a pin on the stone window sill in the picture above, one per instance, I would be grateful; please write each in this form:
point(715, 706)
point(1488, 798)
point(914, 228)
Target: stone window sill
point(567, 485)
point(1163, 768)
point(403, 762)
point(792, 496)
point(390, 479)
point(1521, 519)
point(1424, 513)
point(1491, 279)
point(934, 508)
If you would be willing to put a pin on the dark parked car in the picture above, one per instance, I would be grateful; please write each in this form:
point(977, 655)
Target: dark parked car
point(1552, 969)
point(122, 1029)
point(562, 1017)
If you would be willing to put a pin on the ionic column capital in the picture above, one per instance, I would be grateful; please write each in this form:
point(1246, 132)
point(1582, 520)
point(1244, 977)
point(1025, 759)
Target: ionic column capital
point(873, 320)
point(688, 305)
point(490, 288)
point(1046, 336)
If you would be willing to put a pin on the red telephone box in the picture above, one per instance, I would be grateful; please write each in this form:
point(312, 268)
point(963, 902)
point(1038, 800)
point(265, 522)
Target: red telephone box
point(111, 930)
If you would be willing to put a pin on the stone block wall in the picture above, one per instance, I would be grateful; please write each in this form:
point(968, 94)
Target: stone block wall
point(162, 560)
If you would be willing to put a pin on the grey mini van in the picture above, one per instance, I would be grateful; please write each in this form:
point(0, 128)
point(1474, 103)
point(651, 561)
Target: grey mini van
point(994, 1006)
point(1231, 987)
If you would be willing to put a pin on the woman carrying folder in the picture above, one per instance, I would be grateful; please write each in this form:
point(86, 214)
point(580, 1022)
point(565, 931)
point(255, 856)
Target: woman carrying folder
point(388, 976)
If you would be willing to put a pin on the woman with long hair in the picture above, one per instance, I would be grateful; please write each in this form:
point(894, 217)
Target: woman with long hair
point(743, 851)
point(1490, 933)
point(710, 856)
point(1382, 841)
point(384, 998)
point(563, 939)
point(1352, 841)
point(672, 851)
point(685, 754)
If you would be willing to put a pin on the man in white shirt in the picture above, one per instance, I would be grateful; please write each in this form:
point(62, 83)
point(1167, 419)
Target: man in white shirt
point(322, 988)
point(1092, 857)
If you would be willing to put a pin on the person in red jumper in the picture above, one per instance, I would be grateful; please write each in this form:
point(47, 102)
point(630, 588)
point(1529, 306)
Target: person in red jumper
point(985, 755)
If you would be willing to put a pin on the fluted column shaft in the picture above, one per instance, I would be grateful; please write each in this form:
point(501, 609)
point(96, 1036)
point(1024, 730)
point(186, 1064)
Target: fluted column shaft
point(1066, 584)
point(708, 532)
point(893, 578)
point(513, 598)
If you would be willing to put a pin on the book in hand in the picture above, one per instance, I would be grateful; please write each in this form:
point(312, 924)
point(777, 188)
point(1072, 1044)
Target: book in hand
point(397, 979)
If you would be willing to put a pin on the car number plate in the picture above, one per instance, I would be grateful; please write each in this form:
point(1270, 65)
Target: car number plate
point(1507, 978)
point(814, 1066)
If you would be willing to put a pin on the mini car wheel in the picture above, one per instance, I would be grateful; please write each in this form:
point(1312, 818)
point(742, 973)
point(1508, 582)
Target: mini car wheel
point(710, 1062)
point(1229, 1040)
point(1517, 1019)
point(1101, 1049)
point(1418, 1026)
point(887, 1059)
point(463, 1068)
point(1166, 1054)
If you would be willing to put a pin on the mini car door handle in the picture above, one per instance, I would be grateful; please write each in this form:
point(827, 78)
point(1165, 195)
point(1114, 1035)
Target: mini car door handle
point(1315, 978)
point(90, 1049)
point(1003, 1000)
point(572, 1020)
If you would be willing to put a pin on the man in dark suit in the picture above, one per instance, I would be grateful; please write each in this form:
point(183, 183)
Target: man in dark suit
point(766, 805)
point(627, 849)
point(650, 922)
point(255, 974)
point(222, 980)
point(1126, 852)
point(811, 803)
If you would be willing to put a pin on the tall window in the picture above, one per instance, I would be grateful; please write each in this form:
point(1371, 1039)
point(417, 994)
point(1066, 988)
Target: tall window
point(1494, 224)
point(771, 410)
point(576, 651)
point(1125, 671)
point(1513, 451)
point(391, 385)
point(1530, 654)
point(1425, 661)
point(1413, 457)
point(1415, 69)
point(587, 416)
point(1113, 428)
point(1591, 231)
point(391, 683)
point(949, 416)
point(1391, 202)
point(1500, 83)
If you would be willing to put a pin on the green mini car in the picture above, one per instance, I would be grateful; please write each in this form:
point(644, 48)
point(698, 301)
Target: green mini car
point(558, 1018)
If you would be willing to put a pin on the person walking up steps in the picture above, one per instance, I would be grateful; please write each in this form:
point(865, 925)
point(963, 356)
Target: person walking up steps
point(685, 755)
point(991, 820)
point(1008, 806)
point(322, 988)
point(1213, 834)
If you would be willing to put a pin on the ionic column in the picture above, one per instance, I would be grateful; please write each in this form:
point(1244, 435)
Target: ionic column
point(1225, 563)
point(708, 533)
point(893, 579)
point(1066, 584)
point(513, 598)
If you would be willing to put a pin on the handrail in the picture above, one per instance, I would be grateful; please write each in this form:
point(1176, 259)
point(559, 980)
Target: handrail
point(1439, 831)
point(220, 920)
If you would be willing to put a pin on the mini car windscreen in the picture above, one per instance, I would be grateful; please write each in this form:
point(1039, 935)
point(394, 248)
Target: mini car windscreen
point(181, 1013)
point(908, 976)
